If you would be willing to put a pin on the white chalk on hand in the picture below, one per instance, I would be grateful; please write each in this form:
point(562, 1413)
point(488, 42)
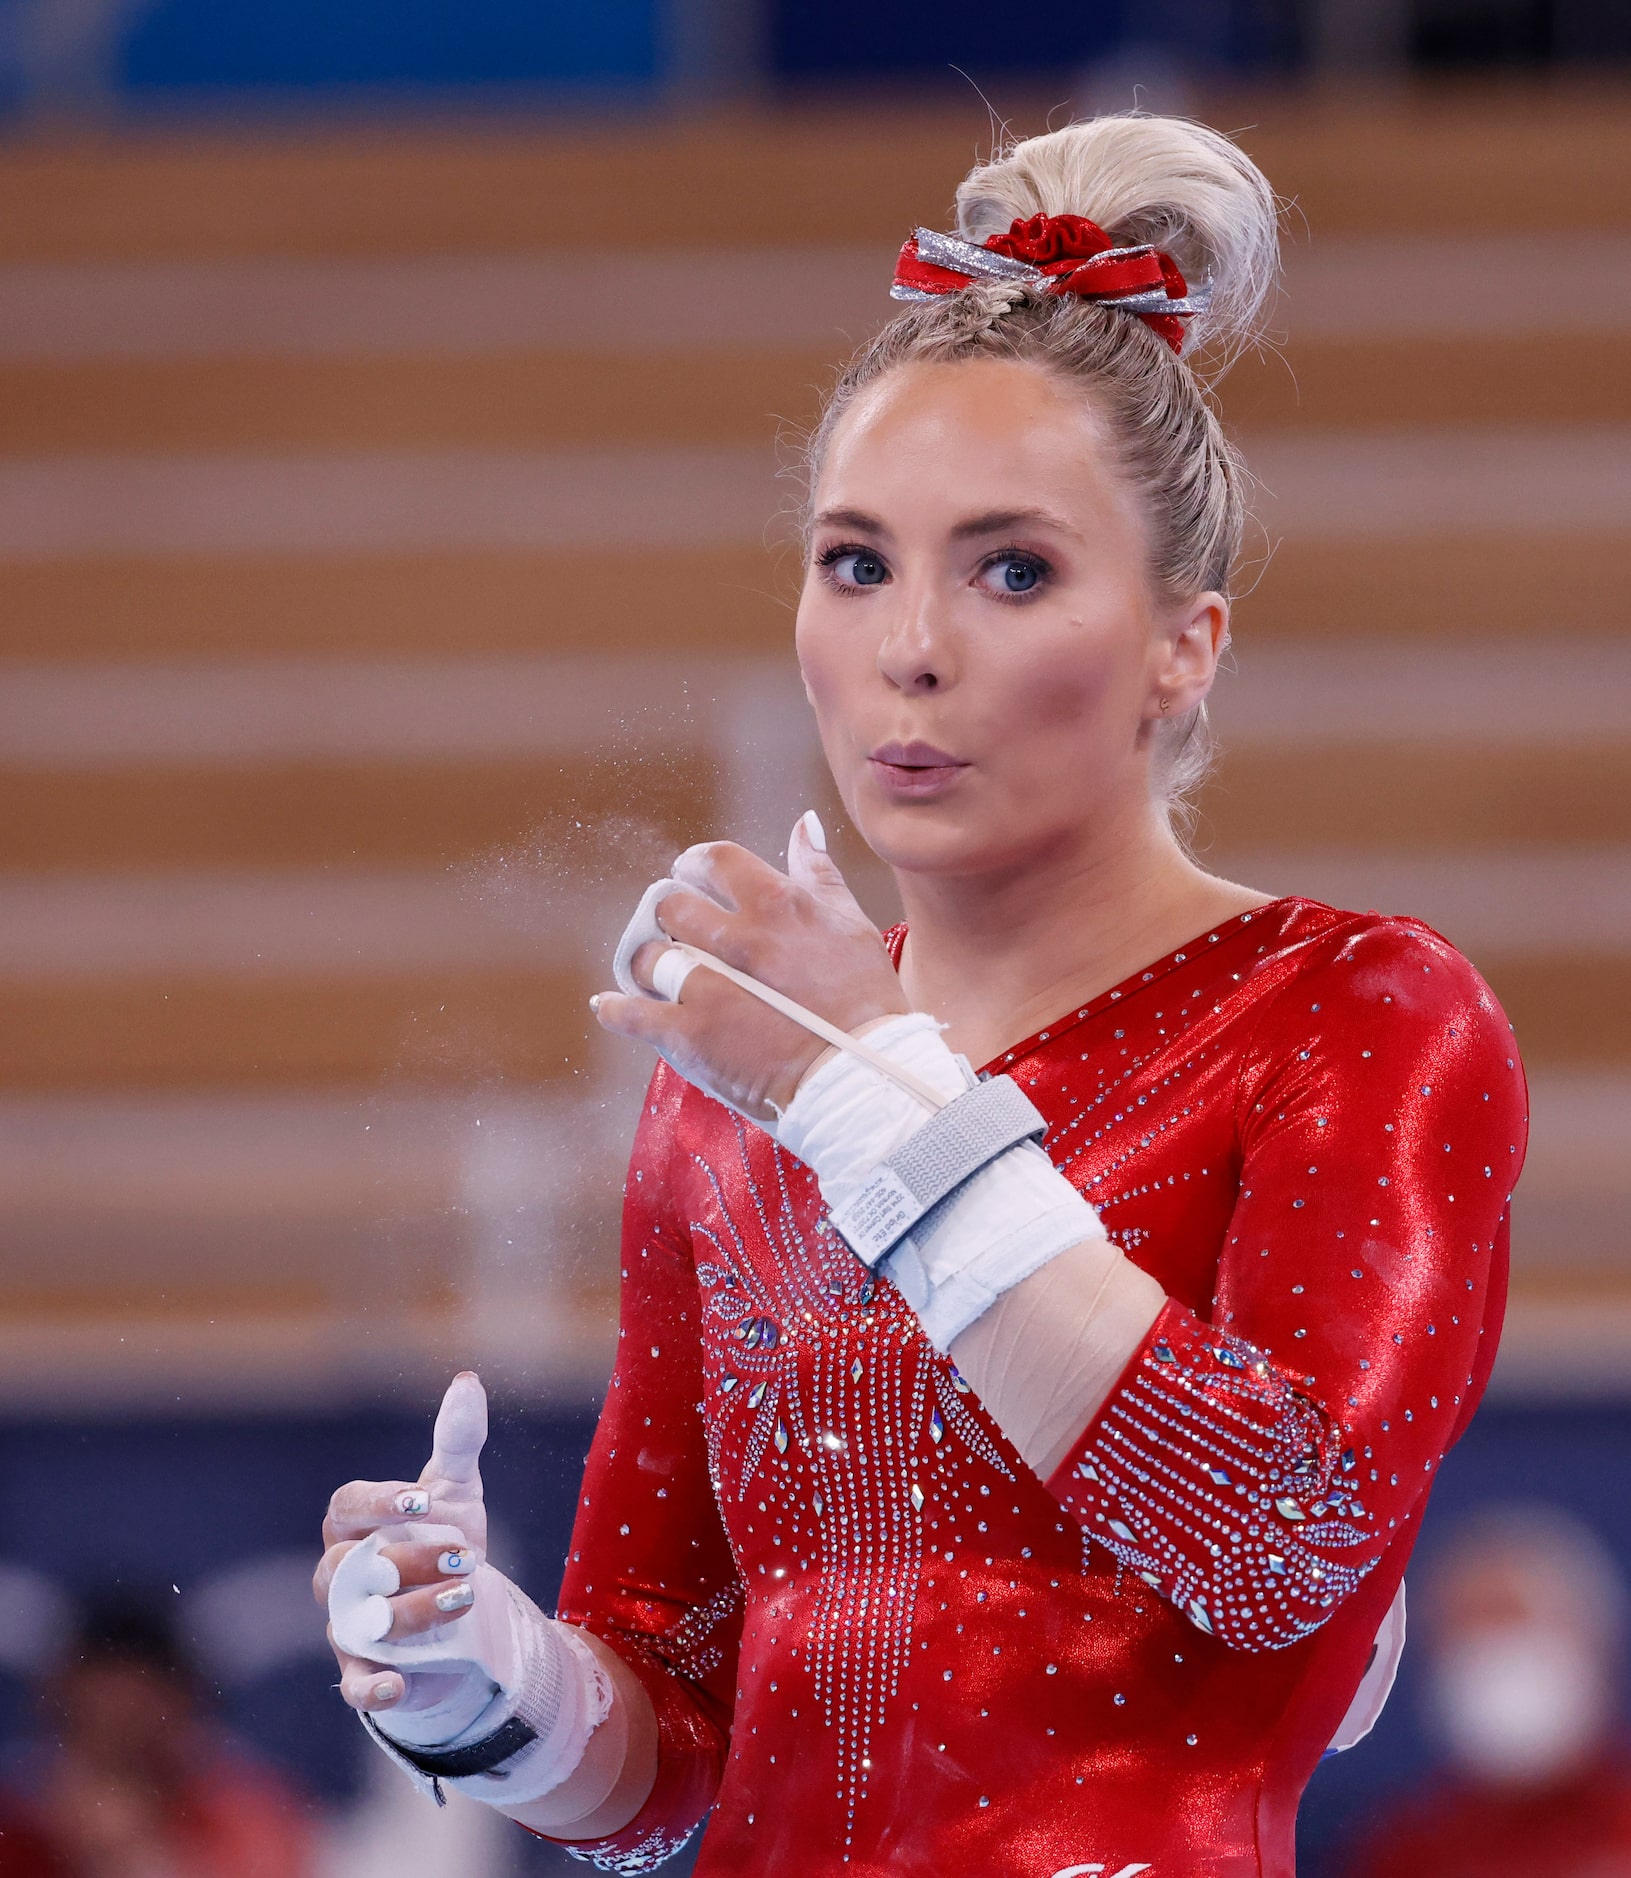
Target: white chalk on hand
point(460, 1432)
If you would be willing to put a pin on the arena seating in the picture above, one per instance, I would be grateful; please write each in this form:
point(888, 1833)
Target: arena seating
point(395, 568)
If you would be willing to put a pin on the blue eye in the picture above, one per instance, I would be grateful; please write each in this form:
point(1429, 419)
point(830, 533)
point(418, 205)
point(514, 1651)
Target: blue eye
point(863, 569)
point(855, 567)
point(1012, 573)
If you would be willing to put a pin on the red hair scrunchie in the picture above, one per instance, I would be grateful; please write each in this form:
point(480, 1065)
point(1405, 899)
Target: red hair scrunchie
point(1058, 254)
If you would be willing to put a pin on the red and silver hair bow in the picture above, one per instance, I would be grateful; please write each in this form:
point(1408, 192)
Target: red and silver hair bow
point(1059, 254)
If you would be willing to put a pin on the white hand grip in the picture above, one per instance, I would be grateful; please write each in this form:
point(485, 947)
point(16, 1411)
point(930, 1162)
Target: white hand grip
point(641, 930)
point(359, 1614)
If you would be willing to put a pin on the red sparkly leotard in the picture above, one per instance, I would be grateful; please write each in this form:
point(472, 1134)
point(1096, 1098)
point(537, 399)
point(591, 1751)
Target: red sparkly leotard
point(875, 1640)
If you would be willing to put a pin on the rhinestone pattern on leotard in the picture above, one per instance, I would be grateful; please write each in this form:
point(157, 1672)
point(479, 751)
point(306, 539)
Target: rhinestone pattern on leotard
point(825, 1399)
point(871, 1633)
point(1225, 1489)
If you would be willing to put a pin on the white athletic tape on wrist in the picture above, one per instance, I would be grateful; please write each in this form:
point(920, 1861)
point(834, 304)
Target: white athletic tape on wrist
point(1012, 1218)
point(1005, 1221)
point(949, 1149)
point(563, 1697)
point(525, 1667)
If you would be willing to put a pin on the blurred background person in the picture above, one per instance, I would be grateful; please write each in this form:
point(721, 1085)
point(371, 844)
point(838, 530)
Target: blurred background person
point(1521, 1621)
point(137, 1778)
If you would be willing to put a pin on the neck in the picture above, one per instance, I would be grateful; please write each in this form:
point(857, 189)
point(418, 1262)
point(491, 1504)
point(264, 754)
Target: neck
point(998, 955)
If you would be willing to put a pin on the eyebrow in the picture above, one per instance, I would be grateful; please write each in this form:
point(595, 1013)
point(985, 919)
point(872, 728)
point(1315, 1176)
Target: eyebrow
point(1005, 521)
point(992, 522)
point(858, 519)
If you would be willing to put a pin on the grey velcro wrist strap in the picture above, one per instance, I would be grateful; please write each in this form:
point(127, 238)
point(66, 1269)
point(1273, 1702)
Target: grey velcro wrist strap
point(950, 1148)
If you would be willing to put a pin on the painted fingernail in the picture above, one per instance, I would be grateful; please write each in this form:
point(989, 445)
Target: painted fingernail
point(455, 1597)
point(594, 1004)
point(413, 1504)
point(453, 1563)
point(382, 1690)
point(814, 833)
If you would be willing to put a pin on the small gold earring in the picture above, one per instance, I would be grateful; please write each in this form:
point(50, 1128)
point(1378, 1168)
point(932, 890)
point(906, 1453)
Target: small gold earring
point(1166, 703)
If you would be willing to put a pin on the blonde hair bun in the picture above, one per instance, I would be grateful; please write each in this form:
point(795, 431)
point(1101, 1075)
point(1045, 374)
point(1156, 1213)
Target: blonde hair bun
point(1164, 180)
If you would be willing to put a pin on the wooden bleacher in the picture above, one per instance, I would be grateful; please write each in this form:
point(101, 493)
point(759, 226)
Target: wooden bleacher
point(330, 465)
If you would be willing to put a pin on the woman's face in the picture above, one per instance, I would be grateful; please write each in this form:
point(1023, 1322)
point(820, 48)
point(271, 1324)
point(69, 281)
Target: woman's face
point(976, 633)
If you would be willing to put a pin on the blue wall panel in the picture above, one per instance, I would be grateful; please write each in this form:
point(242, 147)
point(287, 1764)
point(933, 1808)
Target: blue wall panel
point(1057, 40)
point(835, 39)
point(284, 45)
point(150, 1504)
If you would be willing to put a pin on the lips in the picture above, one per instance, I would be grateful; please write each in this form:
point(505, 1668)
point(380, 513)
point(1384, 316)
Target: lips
point(915, 769)
point(916, 756)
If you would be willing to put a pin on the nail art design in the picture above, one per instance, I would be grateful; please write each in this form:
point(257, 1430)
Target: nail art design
point(454, 1563)
point(455, 1597)
point(413, 1504)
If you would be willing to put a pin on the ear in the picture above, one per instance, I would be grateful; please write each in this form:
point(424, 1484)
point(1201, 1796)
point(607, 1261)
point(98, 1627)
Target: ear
point(1187, 650)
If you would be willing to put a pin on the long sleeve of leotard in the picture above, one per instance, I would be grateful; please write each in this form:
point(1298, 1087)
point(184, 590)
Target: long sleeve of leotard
point(649, 1569)
point(1254, 1461)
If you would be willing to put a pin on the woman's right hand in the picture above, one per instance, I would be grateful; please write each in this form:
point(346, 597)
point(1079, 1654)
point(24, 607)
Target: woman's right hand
point(433, 1530)
point(803, 933)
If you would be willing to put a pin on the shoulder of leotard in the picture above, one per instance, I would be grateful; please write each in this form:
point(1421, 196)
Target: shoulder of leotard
point(1324, 935)
point(1341, 955)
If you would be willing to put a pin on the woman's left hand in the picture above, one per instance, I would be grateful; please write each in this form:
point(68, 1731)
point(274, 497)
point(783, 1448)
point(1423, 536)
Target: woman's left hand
point(802, 933)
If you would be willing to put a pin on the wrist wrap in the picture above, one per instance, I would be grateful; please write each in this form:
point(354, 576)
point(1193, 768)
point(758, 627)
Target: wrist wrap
point(540, 1692)
point(950, 1148)
point(962, 1219)
point(485, 1756)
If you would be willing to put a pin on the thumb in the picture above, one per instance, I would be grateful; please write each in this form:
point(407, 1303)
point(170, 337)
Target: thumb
point(461, 1428)
point(811, 867)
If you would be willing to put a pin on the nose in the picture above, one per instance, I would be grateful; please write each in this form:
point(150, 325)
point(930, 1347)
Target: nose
point(915, 654)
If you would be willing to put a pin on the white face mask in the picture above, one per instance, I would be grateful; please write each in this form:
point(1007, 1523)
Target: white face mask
point(1521, 1705)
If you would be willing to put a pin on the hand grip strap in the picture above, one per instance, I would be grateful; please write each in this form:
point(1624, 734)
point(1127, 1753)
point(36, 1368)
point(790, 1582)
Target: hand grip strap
point(486, 1756)
point(643, 929)
point(817, 1026)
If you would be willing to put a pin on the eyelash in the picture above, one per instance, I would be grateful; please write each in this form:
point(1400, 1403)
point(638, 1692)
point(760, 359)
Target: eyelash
point(1026, 558)
point(829, 557)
